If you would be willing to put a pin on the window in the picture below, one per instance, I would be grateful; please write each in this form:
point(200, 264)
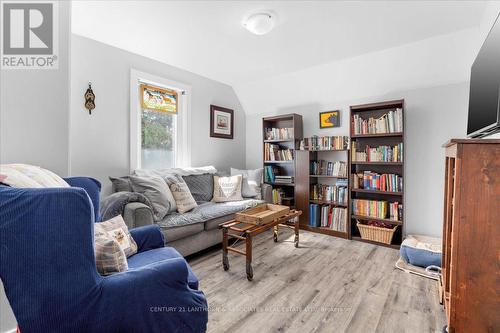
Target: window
point(158, 127)
point(159, 131)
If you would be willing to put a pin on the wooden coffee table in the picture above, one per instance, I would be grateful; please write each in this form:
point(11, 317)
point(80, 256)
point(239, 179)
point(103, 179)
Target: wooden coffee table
point(246, 231)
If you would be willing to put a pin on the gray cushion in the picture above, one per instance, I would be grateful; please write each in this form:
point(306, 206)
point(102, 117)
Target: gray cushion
point(174, 233)
point(251, 182)
point(120, 184)
point(200, 186)
point(156, 190)
point(206, 211)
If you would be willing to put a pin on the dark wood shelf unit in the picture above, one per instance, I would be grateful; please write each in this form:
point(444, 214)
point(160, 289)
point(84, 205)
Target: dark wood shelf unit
point(471, 234)
point(304, 180)
point(366, 111)
point(286, 168)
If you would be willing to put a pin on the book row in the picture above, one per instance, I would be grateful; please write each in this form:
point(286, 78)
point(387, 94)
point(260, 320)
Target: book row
point(326, 168)
point(274, 152)
point(331, 193)
point(369, 180)
point(279, 133)
point(391, 122)
point(378, 154)
point(325, 143)
point(334, 218)
point(377, 209)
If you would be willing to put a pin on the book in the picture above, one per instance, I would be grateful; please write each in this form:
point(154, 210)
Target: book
point(315, 143)
point(390, 122)
point(273, 152)
point(326, 168)
point(278, 133)
point(377, 209)
point(377, 154)
point(369, 180)
point(331, 193)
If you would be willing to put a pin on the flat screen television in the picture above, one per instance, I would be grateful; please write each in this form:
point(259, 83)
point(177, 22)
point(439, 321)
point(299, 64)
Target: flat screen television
point(484, 96)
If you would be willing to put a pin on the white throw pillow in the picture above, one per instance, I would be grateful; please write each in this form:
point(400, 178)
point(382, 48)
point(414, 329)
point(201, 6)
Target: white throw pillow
point(29, 176)
point(251, 183)
point(227, 188)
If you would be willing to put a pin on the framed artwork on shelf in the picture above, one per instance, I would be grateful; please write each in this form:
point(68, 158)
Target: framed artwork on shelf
point(221, 122)
point(329, 119)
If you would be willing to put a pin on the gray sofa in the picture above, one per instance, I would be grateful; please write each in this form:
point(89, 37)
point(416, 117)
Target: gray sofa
point(197, 229)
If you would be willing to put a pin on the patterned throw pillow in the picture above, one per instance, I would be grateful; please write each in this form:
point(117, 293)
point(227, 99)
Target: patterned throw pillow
point(227, 188)
point(29, 176)
point(109, 256)
point(182, 196)
point(117, 230)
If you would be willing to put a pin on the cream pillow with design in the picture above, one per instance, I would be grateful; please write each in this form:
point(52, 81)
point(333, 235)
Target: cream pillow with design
point(183, 198)
point(227, 188)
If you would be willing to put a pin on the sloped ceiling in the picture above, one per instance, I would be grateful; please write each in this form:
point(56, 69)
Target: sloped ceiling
point(206, 37)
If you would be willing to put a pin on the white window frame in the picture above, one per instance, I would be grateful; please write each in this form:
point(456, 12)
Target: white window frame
point(183, 128)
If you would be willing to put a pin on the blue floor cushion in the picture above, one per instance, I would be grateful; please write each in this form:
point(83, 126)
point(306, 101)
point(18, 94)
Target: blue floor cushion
point(422, 251)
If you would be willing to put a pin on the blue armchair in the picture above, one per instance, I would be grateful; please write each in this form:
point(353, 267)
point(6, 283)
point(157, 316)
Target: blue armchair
point(48, 269)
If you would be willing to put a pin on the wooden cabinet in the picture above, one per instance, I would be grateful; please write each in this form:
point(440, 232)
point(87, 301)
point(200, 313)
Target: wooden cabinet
point(471, 236)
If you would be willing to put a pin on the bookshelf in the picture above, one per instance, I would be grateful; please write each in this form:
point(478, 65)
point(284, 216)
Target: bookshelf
point(376, 172)
point(311, 173)
point(280, 137)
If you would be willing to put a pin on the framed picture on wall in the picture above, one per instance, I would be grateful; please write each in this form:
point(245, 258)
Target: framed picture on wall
point(329, 119)
point(221, 122)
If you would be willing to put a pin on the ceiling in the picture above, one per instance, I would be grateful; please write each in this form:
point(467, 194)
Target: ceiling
point(207, 38)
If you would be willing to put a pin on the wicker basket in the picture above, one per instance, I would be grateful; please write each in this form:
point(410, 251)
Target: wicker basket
point(376, 234)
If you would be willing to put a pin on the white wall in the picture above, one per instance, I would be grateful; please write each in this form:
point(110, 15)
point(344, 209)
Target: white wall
point(100, 142)
point(431, 75)
point(34, 109)
point(34, 117)
point(433, 115)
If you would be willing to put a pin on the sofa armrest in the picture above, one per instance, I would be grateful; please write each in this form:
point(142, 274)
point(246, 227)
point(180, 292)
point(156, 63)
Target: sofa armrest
point(148, 237)
point(137, 214)
point(267, 193)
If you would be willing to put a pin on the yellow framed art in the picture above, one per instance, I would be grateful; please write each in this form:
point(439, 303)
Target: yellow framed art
point(158, 99)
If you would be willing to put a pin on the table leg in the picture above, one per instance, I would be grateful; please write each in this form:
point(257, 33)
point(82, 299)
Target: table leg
point(275, 233)
point(225, 259)
point(296, 241)
point(249, 257)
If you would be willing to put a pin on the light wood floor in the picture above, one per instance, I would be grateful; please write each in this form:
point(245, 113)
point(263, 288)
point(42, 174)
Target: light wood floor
point(326, 285)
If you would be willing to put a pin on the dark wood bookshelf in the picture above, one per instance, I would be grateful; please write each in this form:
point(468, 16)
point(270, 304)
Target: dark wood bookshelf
point(304, 180)
point(284, 168)
point(373, 140)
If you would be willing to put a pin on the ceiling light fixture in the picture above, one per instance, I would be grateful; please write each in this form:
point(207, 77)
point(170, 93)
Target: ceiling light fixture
point(260, 23)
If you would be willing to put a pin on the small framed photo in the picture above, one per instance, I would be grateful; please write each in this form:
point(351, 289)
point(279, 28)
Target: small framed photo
point(221, 122)
point(329, 119)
